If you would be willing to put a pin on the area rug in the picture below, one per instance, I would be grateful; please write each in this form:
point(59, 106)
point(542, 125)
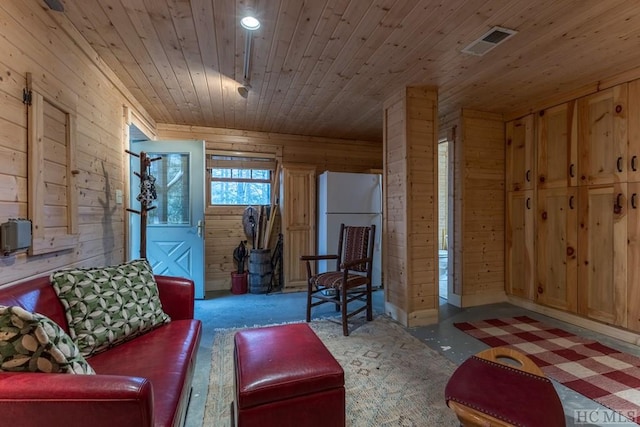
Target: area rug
point(391, 378)
point(594, 370)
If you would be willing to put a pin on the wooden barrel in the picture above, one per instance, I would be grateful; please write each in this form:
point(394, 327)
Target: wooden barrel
point(259, 270)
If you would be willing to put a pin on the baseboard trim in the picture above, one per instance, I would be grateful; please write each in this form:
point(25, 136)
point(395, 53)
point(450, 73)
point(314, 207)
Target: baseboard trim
point(574, 319)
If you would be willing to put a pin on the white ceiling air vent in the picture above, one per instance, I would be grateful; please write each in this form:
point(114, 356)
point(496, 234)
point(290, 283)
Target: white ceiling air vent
point(488, 41)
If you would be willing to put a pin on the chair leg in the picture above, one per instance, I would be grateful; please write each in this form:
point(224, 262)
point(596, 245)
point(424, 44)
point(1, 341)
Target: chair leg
point(343, 305)
point(337, 298)
point(369, 303)
point(309, 290)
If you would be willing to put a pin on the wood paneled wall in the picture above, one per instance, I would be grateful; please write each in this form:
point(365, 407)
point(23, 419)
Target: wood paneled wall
point(62, 61)
point(411, 201)
point(223, 224)
point(479, 209)
point(395, 214)
point(422, 182)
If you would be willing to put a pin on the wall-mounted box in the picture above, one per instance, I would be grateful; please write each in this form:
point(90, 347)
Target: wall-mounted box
point(15, 235)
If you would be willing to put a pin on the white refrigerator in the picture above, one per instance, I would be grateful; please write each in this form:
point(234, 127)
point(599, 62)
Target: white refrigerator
point(352, 199)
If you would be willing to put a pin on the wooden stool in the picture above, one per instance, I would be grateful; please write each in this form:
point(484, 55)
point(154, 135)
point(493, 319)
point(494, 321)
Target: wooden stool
point(487, 391)
point(285, 376)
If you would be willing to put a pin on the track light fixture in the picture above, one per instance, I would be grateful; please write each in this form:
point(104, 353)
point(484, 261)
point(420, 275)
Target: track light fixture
point(244, 90)
point(250, 24)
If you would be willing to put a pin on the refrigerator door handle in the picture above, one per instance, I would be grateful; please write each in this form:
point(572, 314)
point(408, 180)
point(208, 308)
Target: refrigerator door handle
point(380, 191)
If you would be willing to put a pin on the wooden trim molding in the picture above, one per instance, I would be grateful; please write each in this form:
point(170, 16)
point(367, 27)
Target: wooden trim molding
point(611, 331)
point(52, 189)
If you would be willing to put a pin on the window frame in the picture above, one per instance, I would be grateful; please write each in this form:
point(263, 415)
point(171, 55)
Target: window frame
point(239, 161)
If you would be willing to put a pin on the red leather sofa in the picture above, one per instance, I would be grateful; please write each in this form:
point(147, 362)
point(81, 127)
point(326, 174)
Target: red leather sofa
point(142, 382)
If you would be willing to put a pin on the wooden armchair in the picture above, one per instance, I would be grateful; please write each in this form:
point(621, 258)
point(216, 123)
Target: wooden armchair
point(351, 281)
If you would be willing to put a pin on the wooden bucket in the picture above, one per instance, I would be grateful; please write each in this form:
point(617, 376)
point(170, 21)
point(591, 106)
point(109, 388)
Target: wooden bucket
point(259, 271)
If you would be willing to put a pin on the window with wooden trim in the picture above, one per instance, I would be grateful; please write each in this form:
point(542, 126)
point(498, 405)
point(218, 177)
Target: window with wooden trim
point(239, 179)
point(52, 191)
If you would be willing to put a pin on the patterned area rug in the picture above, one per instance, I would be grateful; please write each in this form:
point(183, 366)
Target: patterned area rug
point(391, 378)
point(594, 370)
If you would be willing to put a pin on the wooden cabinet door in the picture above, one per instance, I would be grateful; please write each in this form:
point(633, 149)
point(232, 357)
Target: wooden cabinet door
point(633, 205)
point(602, 136)
point(557, 148)
point(557, 250)
point(298, 204)
point(519, 150)
point(520, 242)
point(633, 131)
point(633, 257)
point(602, 253)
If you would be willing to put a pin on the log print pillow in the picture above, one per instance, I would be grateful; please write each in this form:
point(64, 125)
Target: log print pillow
point(31, 342)
point(107, 306)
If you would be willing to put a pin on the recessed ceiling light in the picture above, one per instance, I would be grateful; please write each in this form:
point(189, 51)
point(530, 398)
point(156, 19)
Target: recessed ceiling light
point(250, 23)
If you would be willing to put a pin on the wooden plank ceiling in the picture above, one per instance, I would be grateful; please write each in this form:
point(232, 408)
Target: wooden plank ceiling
point(324, 67)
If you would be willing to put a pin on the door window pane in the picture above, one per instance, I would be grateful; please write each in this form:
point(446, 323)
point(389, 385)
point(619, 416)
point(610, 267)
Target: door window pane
point(172, 187)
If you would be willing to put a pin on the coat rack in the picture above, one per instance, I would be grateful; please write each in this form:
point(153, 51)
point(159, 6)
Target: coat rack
point(146, 197)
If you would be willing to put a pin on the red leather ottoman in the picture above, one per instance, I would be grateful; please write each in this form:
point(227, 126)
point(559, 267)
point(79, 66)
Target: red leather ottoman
point(285, 376)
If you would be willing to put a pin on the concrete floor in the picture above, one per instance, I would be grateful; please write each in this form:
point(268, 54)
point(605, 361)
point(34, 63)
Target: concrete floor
point(224, 310)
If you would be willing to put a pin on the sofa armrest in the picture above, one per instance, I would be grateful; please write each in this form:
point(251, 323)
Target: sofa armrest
point(177, 295)
point(36, 399)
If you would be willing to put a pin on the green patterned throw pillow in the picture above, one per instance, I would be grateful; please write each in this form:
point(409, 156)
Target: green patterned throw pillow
point(31, 342)
point(107, 306)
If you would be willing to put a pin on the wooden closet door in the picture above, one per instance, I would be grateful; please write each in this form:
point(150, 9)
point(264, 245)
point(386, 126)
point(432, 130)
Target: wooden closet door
point(298, 204)
point(557, 149)
point(633, 257)
point(557, 249)
point(633, 131)
point(602, 252)
point(519, 151)
point(602, 130)
point(520, 251)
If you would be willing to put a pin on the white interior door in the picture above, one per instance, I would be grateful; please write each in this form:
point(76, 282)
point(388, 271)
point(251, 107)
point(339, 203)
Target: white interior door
point(175, 227)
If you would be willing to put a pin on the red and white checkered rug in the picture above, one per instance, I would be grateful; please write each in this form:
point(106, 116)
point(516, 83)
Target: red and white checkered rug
point(594, 370)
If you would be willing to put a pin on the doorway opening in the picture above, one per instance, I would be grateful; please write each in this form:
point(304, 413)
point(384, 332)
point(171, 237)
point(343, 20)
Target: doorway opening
point(443, 218)
point(172, 234)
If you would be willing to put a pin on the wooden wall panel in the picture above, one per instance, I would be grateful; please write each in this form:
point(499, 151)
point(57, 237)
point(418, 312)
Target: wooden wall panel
point(223, 234)
point(422, 142)
point(394, 240)
point(223, 224)
point(56, 53)
point(411, 219)
point(480, 206)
